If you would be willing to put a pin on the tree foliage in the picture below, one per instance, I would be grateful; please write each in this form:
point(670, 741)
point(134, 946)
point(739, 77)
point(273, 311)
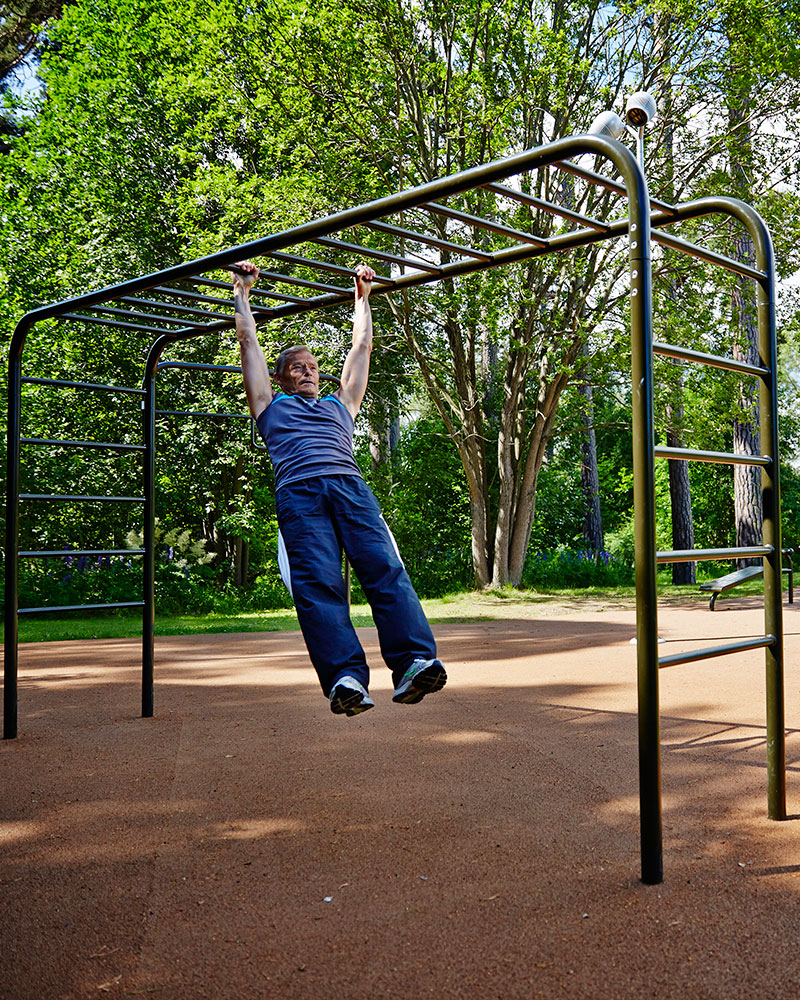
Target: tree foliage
point(169, 130)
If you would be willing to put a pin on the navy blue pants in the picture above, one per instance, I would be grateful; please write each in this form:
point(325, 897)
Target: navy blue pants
point(319, 518)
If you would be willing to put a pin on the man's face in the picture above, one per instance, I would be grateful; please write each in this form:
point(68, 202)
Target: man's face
point(301, 375)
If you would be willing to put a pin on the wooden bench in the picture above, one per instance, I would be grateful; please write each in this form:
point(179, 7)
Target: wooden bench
point(723, 583)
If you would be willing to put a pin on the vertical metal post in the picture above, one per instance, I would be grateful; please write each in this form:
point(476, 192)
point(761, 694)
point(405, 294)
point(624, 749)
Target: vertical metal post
point(148, 530)
point(11, 638)
point(641, 300)
point(773, 564)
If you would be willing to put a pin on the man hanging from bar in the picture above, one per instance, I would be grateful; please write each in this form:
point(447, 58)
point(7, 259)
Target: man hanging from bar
point(324, 506)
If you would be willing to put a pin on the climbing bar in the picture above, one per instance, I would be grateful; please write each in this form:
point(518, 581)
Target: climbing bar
point(63, 384)
point(389, 258)
point(80, 607)
point(695, 555)
point(304, 283)
point(129, 314)
point(712, 360)
point(114, 324)
point(710, 651)
point(323, 265)
point(198, 367)
point(684, 246)
point(83, 444)
point(70, 553)
point(548, 206)
point(605, 182)
point(693, 455)
point(263, 293)
point(434, 241)
point(200, 413)
point(224, 368)
point(70, 499)
point(194, 296)
point(481, 223)
point(176, 309)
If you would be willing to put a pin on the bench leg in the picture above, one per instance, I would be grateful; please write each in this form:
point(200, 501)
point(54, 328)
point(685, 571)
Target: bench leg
point(712, 602)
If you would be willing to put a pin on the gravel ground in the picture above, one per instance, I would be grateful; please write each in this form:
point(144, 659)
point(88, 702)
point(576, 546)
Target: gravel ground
point(245, 843)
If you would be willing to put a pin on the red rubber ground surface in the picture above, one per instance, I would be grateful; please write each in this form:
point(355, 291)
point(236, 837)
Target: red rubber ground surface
point(246, 843)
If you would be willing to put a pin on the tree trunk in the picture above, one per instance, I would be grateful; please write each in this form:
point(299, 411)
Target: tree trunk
point(680, 496)
point(590, 475)
point(746, 434)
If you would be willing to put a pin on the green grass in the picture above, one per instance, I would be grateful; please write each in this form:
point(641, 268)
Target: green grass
point(463, 607)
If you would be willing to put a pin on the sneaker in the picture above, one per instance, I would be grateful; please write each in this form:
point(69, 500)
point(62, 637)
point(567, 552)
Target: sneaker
point(349, 697)
point(422, 677)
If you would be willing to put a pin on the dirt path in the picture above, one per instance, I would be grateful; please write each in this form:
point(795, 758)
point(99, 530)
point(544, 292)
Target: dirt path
point(246, 843)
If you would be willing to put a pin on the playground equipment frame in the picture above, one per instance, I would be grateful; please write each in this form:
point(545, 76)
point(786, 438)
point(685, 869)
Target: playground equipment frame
point(643, 224)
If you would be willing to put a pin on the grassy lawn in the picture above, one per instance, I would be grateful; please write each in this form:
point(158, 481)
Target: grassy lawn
point(464, 607)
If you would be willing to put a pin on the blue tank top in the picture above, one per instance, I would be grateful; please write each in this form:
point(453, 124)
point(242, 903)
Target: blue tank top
point(308, 437)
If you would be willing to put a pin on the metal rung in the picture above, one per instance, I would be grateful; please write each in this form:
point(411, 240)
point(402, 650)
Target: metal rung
point(225, 368)
point(188, 310)
point(692, 455)
point(434, 241)
point(254, 292)
point(116, 324)
point(195, 366)
point(493, 227)
point(546, 206)
point(712, 651)
point(82, 385)
point(305, 283)
point(50, 553)
point(80, 607)
point(197, 413)
point(389, 258)
point(322, 265)
point(695, 555)
point(70, 499)
point(130, 314)
point(83, 444)
point(712, 360)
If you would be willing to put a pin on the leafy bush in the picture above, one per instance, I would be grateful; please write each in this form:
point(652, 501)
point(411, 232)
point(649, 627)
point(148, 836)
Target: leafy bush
point(564, 567)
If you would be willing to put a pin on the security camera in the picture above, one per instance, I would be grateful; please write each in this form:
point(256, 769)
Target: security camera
point(607, 123)
point(640, 109)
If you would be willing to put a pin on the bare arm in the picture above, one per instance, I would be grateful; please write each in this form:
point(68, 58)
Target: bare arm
point(356, 366)
point(255, 373)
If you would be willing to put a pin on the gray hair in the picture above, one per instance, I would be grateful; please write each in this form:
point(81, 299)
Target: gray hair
point(285, 356)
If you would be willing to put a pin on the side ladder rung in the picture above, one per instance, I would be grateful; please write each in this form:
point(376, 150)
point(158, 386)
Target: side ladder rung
point(711, 651)
point(80, 607)
point(722, 457)
point(83, 444)
point(711, 360)
point(71, 553)
point(66, 384)
point(695, 555)
point(69, 499)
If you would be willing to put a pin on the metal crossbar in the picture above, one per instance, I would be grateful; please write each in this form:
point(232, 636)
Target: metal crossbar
point(82, 444)
point(80, 607)
point(723, 457)
point(692, 656)
point(436, 218)
point(712, 360)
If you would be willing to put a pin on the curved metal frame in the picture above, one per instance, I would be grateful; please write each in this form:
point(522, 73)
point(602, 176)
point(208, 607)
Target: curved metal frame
point(641, 227)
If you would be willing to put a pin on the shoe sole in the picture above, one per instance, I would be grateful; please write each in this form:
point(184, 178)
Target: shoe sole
point(349, 702)
point(427, 681)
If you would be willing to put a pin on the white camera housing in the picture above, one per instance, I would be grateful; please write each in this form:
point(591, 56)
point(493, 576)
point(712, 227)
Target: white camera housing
point(608, 123)
point(640, 109)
